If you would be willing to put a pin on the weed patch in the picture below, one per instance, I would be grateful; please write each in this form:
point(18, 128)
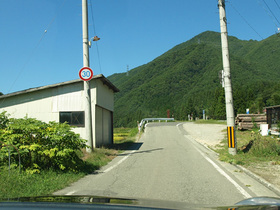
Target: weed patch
point(23, 184)
point(46, 182)
point(251, 148)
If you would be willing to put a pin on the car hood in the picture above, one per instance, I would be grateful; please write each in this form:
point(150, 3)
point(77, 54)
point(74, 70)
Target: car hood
point(99, 202)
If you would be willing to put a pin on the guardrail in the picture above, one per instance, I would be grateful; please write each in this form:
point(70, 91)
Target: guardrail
point(146, 120)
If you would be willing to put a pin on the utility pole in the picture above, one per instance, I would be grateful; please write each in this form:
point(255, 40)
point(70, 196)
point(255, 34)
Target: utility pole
point(227, 80)
point(87, 99)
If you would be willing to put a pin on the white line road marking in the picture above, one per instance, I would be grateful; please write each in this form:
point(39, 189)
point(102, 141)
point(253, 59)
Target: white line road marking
point(70, 193)
point(110, 168)
point(119, 162)
point(179, 124)
point(222, 172)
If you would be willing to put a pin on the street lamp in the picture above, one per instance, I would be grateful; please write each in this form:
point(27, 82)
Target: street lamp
point(96, 38)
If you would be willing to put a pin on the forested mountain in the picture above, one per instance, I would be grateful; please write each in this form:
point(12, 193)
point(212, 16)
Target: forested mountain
point(185, 80)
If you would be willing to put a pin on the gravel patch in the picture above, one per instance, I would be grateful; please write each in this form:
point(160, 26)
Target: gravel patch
point(207, 134)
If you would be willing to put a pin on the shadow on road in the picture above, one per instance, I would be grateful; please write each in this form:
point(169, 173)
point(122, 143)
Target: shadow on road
point(144, 151)
point(128, 145)
point(135, 146)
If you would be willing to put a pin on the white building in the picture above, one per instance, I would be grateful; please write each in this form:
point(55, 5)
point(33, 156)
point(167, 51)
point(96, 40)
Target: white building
point(64, 102)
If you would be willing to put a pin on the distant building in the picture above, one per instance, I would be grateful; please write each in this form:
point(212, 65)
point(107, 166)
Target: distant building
point(273, 115)
point(64, 102)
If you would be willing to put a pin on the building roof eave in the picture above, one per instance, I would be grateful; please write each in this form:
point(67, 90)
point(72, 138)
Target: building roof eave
point(272, 107)
point(99, 76)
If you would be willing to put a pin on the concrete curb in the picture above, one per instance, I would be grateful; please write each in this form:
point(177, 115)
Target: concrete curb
point(259, 179)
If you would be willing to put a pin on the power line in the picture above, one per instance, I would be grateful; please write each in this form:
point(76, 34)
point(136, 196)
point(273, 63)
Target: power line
point(55, 16)
point(35, 48)
point(245, 20)
point(33, 51)
point(271, 13)
point(94, 31)
point(267, 13)
point(277, 4)
point(93, 23)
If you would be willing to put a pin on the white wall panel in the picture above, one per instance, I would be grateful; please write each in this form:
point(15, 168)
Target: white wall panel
point(105, 96)
point(68, 102)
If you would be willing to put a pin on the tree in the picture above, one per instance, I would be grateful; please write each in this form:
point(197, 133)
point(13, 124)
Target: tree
point(274, 99)
point(240, 100)
point(218, 108)
point(260, 104)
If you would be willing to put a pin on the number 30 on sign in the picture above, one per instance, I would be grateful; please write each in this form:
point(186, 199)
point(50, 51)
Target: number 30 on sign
point(86, 73)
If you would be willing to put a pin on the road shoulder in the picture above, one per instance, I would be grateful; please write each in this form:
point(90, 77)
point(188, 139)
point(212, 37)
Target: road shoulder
point(211, 135)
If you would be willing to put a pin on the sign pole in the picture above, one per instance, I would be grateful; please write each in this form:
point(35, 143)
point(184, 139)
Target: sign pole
point(87, 99)
point(227, 80)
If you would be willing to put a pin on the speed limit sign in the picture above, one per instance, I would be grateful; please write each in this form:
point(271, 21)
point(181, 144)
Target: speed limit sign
point(86, 73)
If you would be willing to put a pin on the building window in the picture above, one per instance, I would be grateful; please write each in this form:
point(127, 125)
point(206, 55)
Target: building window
point(73, 118)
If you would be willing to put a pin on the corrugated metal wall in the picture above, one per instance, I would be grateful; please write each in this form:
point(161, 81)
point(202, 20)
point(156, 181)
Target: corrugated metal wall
point(104, 126)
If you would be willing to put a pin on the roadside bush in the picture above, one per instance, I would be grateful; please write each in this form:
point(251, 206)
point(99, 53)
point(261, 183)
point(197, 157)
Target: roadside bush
point(3, 120)
point(41, 145)
point(252, 148)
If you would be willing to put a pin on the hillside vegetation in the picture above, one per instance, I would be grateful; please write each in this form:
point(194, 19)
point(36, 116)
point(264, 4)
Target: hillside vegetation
point(185, 80)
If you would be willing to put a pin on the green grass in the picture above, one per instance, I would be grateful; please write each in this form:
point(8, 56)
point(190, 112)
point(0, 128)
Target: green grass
point(125, 135)
point(14, 184)
point(46, 182)
point(263, 149)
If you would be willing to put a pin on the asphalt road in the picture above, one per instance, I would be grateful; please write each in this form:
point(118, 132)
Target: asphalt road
point(167, 164)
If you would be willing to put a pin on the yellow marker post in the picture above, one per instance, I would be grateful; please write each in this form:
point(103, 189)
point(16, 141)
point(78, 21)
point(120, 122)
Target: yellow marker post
point(231, 137)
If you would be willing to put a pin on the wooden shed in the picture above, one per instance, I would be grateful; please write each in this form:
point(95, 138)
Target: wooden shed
point(273, 115)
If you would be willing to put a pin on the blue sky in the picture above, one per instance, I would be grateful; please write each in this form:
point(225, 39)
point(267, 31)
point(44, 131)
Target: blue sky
point(132, 32)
